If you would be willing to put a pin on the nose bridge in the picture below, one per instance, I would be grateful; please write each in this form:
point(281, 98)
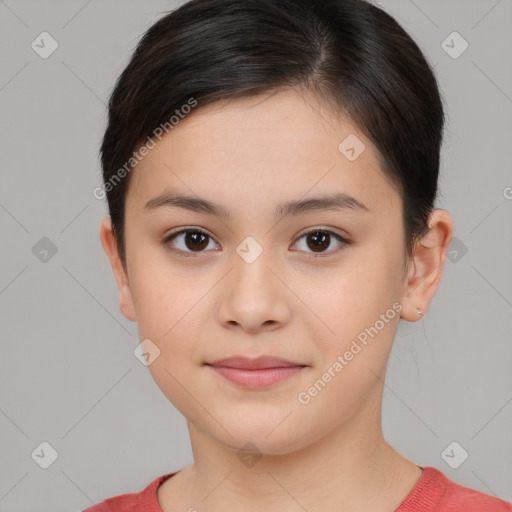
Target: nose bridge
point(250, 250)
point(251, 297)
point(251, 260)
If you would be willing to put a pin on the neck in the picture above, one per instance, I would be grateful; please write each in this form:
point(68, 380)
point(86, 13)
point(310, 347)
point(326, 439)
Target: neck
point(350, 469)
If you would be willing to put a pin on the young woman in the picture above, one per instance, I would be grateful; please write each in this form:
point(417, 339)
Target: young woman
point(271, 170)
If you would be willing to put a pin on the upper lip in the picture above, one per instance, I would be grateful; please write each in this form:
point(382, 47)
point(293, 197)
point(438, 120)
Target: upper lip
point(258, 363)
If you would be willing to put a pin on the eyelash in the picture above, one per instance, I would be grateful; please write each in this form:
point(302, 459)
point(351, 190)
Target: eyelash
point(186, 254)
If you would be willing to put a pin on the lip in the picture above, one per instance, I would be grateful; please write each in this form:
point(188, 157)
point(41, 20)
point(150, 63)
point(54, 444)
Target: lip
point(256, 372)
point(254, 363)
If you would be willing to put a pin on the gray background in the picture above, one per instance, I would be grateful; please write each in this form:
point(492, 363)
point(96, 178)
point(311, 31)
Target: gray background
point(67, 370)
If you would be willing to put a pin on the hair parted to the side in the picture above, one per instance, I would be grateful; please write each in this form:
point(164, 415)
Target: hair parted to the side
point(351, 53)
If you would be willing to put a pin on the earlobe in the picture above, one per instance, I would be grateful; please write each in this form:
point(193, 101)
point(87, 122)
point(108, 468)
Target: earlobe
point(426, 266)
point(109, 243)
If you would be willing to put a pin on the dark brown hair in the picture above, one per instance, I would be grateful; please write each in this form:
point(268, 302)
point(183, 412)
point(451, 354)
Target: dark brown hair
point(349, 52)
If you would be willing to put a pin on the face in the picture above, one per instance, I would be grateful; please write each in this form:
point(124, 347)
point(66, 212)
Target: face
point(320, 287)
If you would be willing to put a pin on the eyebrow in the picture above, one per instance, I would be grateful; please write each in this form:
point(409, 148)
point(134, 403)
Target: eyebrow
point(334, 202)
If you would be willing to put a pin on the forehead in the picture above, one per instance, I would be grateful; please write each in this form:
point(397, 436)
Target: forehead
point(271, 147)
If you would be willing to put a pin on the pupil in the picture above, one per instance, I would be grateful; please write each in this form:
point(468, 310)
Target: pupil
point(319, 238)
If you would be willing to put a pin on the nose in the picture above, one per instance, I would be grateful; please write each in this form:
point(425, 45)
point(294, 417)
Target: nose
point(252, 297)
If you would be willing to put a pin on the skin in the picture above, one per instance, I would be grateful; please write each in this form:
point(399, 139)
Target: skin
point(248, 155)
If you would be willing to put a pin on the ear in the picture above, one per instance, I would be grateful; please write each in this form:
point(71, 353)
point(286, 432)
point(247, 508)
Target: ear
point(426, 265)
point(108, 240)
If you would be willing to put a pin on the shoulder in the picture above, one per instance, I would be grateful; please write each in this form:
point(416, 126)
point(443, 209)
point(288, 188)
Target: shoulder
point(471, 500)
point(435, 492)
point(143, 501)
point(121, 503)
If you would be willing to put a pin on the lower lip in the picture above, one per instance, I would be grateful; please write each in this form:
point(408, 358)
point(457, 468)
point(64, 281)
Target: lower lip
point(257, 378)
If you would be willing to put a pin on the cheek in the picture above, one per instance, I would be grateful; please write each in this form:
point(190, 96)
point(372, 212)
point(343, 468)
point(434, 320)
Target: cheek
point(360, 316)
point(171, 313)
point(348, 296)
point(355, 308)
point(163, 293)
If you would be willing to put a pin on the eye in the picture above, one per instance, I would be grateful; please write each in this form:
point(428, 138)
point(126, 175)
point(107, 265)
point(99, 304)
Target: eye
point(320, 239)
point(188, 242)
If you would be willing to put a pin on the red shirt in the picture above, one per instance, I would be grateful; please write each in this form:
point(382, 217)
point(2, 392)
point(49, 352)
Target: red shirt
point(433, 492)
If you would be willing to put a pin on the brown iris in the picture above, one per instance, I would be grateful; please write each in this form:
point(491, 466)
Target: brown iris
point(319, 240)
point(196, 240)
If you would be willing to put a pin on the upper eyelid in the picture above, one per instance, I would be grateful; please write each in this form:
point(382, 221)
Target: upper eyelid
point(186, 230)
point(300, 234)
point(322, 228)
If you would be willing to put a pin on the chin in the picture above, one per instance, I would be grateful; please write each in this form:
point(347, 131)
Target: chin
point(257, 440)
